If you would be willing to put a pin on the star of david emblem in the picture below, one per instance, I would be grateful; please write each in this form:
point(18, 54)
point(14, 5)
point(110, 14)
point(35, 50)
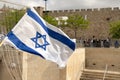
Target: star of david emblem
point(40, 41)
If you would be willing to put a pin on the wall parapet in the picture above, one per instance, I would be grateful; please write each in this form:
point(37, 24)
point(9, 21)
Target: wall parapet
point(89, 9)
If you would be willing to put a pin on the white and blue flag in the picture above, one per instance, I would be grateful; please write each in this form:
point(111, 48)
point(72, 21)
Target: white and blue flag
point(32, 34)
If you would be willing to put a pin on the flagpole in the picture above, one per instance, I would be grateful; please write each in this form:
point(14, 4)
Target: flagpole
point(1, 43)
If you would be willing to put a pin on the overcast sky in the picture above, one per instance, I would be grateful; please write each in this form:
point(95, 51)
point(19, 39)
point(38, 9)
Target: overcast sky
point(66, 4)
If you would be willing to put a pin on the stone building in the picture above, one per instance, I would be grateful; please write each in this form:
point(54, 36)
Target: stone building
point(99, 20)
point(22, 66)
point(84, 63)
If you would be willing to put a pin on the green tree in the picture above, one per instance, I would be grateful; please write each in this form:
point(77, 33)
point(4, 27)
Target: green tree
point(115, 29)
point(77, 22)
point(11, 17)
point(51, 20)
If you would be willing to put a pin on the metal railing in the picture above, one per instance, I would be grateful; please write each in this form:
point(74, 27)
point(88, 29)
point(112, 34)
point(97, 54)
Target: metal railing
point(105, 72)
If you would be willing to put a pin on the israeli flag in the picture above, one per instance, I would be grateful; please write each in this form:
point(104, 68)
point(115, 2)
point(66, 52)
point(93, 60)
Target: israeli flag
point(33, 35)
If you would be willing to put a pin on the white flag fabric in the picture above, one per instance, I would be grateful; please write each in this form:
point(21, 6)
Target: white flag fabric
point(32, 34)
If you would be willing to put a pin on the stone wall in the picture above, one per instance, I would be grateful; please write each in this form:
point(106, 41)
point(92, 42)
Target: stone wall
point(4, 74)
point(99, 20)
point(39, 69)
point(95, 58)
point(76, 64)
point(98, 58)
point(10, 64)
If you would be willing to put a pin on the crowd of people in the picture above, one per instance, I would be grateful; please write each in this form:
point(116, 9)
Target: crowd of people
point(94, 42)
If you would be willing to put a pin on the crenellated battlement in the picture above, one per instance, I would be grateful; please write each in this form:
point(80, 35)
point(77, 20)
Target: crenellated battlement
point(99, 19)
point(80, 10)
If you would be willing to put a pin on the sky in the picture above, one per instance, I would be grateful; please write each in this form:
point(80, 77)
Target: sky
point(64, 4)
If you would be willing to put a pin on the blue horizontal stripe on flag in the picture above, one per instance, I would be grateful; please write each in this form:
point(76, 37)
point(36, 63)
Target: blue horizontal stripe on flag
point(52, 33)
point(19, 44)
